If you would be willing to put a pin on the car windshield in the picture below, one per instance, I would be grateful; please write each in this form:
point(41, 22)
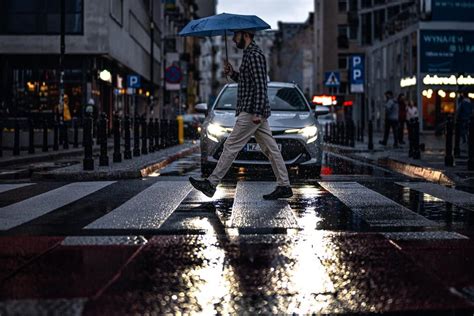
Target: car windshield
point(281, 99)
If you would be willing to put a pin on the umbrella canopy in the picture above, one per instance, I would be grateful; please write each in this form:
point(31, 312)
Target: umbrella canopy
point(223, 24)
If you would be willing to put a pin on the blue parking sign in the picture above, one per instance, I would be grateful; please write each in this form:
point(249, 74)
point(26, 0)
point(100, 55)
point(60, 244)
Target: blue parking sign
point(133, 81)
point(357, 73)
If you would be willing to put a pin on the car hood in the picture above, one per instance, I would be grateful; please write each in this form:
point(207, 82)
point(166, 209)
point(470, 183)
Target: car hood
point(277, 121)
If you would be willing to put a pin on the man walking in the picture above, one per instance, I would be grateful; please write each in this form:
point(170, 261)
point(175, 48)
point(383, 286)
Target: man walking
point(252, 111)
point(391, 119)
point(463, 114)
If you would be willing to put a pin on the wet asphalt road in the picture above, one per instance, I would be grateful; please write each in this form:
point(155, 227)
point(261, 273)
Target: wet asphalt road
point(360, 239)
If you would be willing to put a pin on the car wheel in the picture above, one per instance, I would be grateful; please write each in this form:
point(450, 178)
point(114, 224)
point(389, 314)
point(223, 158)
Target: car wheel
point(310, 172)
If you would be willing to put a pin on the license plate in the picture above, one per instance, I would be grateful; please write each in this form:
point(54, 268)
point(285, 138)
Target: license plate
point(253, 147)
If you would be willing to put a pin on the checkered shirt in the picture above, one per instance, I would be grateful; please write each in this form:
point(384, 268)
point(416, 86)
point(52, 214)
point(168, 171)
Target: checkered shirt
point(252, 90)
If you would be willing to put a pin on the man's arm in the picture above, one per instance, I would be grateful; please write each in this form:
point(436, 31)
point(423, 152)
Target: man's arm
point(229, 71)
point(258, 73)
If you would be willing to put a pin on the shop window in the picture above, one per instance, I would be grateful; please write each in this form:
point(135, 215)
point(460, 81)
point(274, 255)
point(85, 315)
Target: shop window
point(40, 17)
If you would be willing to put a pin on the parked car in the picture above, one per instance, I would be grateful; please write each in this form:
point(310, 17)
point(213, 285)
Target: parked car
point(192, 125)
point(293, 123)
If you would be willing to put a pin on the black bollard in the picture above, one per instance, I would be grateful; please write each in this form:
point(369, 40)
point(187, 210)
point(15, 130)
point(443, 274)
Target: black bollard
point(136, 136)
point(88, 161)
point(157, 135)
point(117, 156)
point(358, 131)
point(55, 135)
point(326, 133)
point(371, 136)
point(103, 157)
point(416, 139)
point(65, 136)
point(333, 133)
point(151, 137)
point(16, 139)
point(31, 143)
point(457, 139)
point(45, 135)
point(470, 161)
point(352, 133)
point(162, 134)
point(144, 136)
point(1, 139)
point(448, 155)
point(76, 133)
point(127, 154)
point(362, 130)
point(343, 134)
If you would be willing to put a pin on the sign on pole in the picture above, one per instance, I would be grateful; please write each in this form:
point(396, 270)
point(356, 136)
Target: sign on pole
point(357, 74)
point(332, 79)
point(133, 81)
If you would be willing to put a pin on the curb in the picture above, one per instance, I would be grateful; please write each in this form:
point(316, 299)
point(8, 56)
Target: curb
point(119, 174)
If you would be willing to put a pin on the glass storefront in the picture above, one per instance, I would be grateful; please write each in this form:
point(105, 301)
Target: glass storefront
point(437, 104)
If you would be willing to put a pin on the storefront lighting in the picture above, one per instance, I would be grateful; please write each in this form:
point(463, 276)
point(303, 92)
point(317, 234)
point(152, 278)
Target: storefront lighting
point(30, 86)
point(442, 94)
point(425, 93)
point(452, 95)
point(471, 95)
point(140, 91)
point(105, 75)
point(147, 93)
point(408, 82)
point(448, 81)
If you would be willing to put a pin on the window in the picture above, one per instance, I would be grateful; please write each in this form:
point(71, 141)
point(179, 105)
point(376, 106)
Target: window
point(116, 10)
point(342, 30)
point(342, 5)
point(40, 16)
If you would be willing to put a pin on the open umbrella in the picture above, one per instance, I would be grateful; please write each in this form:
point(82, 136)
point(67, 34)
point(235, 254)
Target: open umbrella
point(223, 24)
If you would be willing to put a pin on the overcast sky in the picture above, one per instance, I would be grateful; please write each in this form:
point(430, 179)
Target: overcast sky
point(271, 11)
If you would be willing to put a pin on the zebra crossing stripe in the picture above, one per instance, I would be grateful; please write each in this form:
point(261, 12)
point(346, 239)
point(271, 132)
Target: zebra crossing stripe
point(148, 209)
point(8, 187)
point(29, 209)
point(43, 307)
point(250, 210)
point(450, 195)
point(374, 208)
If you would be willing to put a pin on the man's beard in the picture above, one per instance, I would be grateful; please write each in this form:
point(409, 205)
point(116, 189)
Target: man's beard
point(241, 43)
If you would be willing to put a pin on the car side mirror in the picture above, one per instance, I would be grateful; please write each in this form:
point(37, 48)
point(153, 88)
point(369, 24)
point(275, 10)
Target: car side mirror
point(201, 108)
point(321, 110)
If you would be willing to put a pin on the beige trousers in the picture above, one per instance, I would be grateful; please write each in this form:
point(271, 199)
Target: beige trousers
point(243, 130)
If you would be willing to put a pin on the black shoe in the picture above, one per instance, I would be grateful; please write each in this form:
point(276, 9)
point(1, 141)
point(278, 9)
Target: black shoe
point(279, 193)
point(204, 186)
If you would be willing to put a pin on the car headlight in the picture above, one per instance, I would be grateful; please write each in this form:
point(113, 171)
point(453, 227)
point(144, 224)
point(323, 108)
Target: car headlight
point(215, 131)
point(310, 132)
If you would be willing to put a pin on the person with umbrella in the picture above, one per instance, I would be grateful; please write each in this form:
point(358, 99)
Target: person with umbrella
point(252, 111)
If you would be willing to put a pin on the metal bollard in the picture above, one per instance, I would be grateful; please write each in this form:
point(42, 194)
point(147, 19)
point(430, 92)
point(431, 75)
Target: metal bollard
point(362, 131)
point(416, 140)
point(65, 136)
point(151, 131)
point(333, 133)
point(157, 135)
point(1, 139)
point(88, 161)
point(326, 133)
point(343, 134)
point(55, 135)
point(371, 136)
point(470, 161)
point(117, 156)
point(31, 143)
point(448, 155)
point(457, 139)
point(76, 133)
point(127, 154)
point(16, 141)
point(45, 135)
point(144, 136)
point(136, 136)
point(103, 158)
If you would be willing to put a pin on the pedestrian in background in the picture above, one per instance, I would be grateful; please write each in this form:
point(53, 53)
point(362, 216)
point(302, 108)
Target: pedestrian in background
point(391, 119)
point(402, 117)
point(463, 114)
point(252, 111)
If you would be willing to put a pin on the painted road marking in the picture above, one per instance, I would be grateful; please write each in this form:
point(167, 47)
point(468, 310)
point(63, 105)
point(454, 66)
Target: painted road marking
point(148, 209)
point(374, 208)
point(8, 187)
point(251, 211)
point(453, 196)
point(424, 236)
point(29, 209)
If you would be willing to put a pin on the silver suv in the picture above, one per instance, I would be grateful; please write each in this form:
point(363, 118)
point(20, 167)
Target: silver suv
point(293, 123)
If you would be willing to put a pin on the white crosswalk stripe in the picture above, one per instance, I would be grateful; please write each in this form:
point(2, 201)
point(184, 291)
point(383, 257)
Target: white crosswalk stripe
point(374, 208)
point(250, 210)
point(148, 209)
point(8, 187)
point(29, 209)
point(456, 197)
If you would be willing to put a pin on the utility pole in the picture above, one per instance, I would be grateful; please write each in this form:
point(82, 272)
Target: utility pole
point(61, 56)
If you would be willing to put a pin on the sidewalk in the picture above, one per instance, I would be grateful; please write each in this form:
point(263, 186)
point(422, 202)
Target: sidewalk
point(67, 164)
point(430, 167)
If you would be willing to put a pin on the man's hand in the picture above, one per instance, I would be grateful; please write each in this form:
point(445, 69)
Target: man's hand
point(228, 69)
point(256, 119)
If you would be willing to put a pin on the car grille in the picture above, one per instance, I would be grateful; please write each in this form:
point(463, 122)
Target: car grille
point(291, 149)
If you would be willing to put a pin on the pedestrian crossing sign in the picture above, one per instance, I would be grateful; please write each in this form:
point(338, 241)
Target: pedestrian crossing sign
point(332, 79)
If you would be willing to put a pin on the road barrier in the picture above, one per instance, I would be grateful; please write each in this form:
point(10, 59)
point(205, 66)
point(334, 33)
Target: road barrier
point(117, 156)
